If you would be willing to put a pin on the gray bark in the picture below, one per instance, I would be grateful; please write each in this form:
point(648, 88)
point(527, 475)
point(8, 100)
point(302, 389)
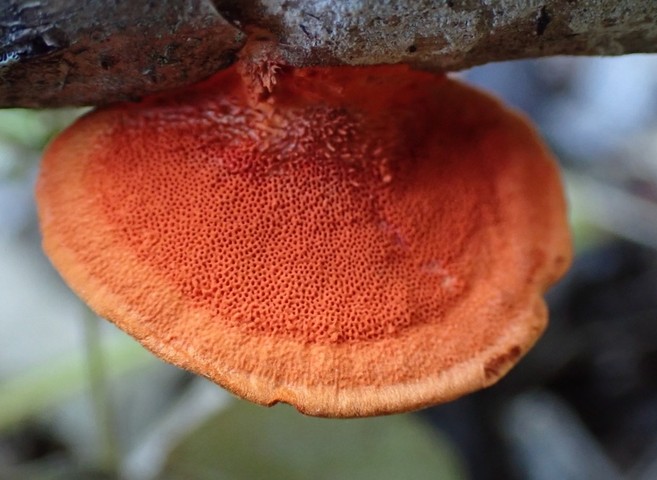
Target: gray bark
point(86, 52)
point(79, 52)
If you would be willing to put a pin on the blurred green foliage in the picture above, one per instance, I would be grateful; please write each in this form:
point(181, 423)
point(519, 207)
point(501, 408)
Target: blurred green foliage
point(247, 441)
point(34, 128)
point(44, 386)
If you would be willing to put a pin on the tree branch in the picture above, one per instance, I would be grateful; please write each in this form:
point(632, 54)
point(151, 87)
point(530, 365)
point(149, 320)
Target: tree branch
point(83, 52)
point(76, 52)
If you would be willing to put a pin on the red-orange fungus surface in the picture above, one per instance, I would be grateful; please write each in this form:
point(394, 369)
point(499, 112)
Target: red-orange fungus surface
point(359, 241)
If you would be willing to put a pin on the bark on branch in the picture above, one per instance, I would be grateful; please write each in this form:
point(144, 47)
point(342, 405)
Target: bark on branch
point(78, 52)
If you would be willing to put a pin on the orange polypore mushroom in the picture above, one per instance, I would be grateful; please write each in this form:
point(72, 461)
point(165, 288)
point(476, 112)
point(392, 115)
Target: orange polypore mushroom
point(358, 241)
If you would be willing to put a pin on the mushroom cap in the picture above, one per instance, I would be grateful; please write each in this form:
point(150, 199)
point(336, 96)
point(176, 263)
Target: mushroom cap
point(366, 240)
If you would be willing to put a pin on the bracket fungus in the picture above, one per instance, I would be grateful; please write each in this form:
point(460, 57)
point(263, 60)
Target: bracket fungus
point(354, 241)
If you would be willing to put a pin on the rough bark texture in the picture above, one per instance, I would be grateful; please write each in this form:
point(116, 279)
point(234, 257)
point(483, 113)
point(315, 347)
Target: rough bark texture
point(78, 52)
point(84, 52)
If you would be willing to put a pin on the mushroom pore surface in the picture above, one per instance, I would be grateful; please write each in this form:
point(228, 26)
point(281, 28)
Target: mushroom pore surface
point(359, 241)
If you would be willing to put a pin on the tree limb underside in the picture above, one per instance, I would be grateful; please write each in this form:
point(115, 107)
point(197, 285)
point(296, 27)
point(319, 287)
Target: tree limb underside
point(86, 52)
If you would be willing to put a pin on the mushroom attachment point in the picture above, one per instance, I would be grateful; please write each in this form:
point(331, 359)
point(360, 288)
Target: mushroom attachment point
point(359, 241)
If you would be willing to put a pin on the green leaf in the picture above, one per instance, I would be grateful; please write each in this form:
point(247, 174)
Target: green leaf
point(246, 441)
